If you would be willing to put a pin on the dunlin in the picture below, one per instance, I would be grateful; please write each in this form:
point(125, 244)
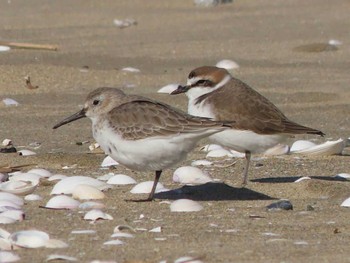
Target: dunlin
point(259, 124)
point(143, 134)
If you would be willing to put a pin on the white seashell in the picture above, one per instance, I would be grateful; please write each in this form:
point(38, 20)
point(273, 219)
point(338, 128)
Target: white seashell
point(29, 238)
point(55, 243)
point(211, 147)
point(33, 197)
point(121, 179)
point(26, 177)
point(301, 145)
point(97, 214)
point(130, 69)
point(302, 179)
point(115, 242)
point(26, 153)
point(120, 228)
point(236, 154)
point(4, 220)
point(219, 153)
point(57, 177)
point(91, 205)
point(335, 42)
point(108, 161)
point(326, 148)
point(4, 48)
point(227, 64)
point(190, 175)
point(201, 163)
point(8, 205)
point(121, 234)
point(279, 149)
point(124, 23)
point(94, 146)
point(4, 234)
point(185, 205)
point(62, 202)
point(42, 172)
point(10, 102)
point(60, 257)
point(7, 142)
point(67, 185)
point(6, 256)
point(79, 232)
point(105, 177)
point(87, 192)
point(146, 187)
point(5, 245)
point(187, 260)
point(156, 230)
point(18, 187)
point(17, 215)
point(12, 198)
point(168, 88)
point(346, 203)
point(344, 176)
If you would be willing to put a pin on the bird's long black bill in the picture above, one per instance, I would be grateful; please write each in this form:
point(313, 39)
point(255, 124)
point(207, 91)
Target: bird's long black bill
point(74, 117)
point(180, 89)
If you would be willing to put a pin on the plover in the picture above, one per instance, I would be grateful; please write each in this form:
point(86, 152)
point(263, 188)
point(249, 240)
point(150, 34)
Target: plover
point(143, 134)
point(259, 124)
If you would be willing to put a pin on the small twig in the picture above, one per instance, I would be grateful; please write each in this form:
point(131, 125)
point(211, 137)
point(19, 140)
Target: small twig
point(29, 84)
point(29, 46)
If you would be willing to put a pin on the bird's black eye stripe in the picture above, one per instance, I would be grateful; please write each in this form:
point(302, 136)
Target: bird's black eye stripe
point(95, 102)
point(204, 82)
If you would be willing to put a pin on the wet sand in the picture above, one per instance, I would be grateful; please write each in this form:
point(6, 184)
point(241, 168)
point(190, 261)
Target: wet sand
point(170, 39)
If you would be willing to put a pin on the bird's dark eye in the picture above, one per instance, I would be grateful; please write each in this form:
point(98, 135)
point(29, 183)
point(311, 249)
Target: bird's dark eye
point(204, 82)
point(96, 102)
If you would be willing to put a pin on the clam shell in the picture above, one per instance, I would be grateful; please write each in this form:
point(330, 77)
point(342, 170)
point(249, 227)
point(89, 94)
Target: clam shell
point(60, 257)
point(227, 64)
point(326, 148)
point(26, 152)
point(18, 187)
point(201, 163)
point(4, 220)
point(67, 185)
point(7, 256)
point(185, 205)
point(97, 214)
point(346, 203)
point(33, 197)
point(17, 215)
point(29, 238)
point(146, 187)
point(62, 202)
point(57, 177)
point(87, 192)
point(168, 88)
point(121, 179)
point(12, 198)
point(108, 161)
point(26, 177)
point(8, 205)
point(219, 153)
point(42, 172)
point(301, 145)
point(4, 234)
point(6, 245)
point(190, 175)
point(279, 149)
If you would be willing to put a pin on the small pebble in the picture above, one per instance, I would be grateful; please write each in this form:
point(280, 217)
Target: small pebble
point(280, 205)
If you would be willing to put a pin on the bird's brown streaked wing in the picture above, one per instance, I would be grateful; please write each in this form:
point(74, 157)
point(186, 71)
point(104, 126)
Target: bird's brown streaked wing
point(252, 111)
point(139, 119)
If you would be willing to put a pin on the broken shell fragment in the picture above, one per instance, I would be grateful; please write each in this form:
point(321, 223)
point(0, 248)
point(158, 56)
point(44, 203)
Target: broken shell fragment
point(108, 161)
point(26, 153)
point(12, 198)
point(62, 202)
point(29, 238)
point(121, 179)
point(67, 185)
point(146, 187)
point(7, 142)
point(97, 214)
point(10, 102)
point(42, 172)
point(190, 175)
point(33, 197)
point(87, 192)
point(346, 203)
point(115, 242)
point(168, 88)
point(185, 205)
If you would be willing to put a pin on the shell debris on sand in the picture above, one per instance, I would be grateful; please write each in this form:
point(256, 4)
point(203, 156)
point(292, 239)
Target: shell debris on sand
point(185, 205)
point(96, 214)
point(108, 161)
point(62, 202)
point(190, 175)
point(146, 187)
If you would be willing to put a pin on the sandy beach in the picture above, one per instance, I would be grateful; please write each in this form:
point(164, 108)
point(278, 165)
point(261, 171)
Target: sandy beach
point(169, 40)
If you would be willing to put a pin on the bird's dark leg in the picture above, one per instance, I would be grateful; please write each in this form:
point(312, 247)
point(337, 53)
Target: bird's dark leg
point(151, 194)
point(246, 168)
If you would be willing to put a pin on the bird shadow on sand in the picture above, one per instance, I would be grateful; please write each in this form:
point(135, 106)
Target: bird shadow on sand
point(291, 179)
point(212, 192)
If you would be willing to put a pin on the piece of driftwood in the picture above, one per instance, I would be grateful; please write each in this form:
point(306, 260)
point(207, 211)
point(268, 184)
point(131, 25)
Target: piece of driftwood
point(29, 46)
